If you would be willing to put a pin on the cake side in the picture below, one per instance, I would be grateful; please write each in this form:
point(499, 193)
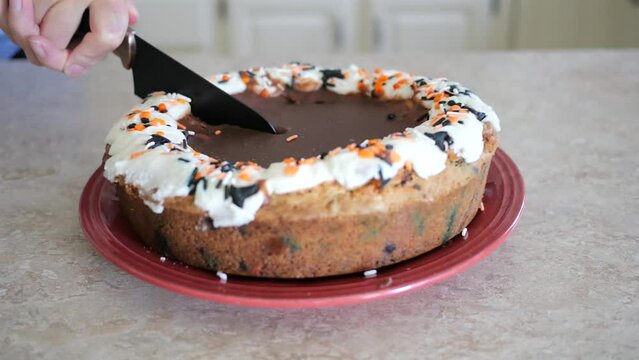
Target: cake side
point(327, 230)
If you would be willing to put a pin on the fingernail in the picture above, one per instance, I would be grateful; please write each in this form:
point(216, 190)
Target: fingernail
point(74, 70)
point(38, 48)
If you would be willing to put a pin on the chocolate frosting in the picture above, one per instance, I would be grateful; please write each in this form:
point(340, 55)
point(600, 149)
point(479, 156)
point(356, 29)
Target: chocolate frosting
point(322, 120)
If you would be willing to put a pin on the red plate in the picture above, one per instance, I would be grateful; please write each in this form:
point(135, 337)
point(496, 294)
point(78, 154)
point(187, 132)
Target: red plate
point(107, 229)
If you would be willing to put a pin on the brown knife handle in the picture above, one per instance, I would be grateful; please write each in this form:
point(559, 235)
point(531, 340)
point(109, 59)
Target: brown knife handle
point(126, 50)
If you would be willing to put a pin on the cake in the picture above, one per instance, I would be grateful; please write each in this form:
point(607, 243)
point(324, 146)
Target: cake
point(368, 168)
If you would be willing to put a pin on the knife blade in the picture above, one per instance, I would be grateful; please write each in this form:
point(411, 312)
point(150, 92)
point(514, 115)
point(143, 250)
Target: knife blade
point(153, 70)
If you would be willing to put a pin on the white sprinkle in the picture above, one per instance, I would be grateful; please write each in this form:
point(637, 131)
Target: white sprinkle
point(370, 273)
point(191, 132)
point(481, 206)
point(223, 277)
point(162, 259)
point(464, 233)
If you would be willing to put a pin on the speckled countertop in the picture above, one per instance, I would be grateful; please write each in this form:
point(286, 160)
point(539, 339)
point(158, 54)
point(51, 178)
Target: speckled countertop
point(564, 285)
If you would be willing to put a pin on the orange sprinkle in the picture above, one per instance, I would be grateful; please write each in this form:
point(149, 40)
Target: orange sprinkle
point(308, 161)
point(182, 101)
point(181, 127)
point(138, 154)
point(393, 156)
point(160, 133)
point(366, 153)
point(157, 122)
point(217, 132)
point(264, 93)
point(408, 166)
point(133, 113)
point(377, 71)
point(226, 77)
point(361, 86)
point(292, 138)
point(289, 160)
point(145, 115)
point(245, 79)
point(138, 127)
point(245, 177)
point(162, 107)
point(197, 153)
point(291, 170)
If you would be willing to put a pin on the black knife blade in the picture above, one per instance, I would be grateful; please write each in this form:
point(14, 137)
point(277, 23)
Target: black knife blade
point(153, 70)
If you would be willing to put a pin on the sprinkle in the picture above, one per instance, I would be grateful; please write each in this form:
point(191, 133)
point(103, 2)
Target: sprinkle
point(217, 132)
point(291, 170)
point(157, 122)
point(138, 154)
point(292, 138)
point(181, 127)
point(464, 233)
point(223, 277)
point(245, 177)
point(481, 206)
point(162, 258)
point(370, 273)
point(391, 116)
point(162, 108)
point(366, 153)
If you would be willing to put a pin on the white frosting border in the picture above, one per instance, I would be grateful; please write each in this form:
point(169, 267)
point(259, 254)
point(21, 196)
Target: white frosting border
point(148, 147)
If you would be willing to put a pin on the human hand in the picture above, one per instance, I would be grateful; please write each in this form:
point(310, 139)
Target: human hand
point(44, 28)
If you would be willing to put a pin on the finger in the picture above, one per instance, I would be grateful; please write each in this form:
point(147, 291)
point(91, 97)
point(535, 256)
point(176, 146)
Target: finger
point(48, 54)
point(41, 7)
point(109, 20)
point(61, 22)
point(21, 23)
point(4, 12)
point(134, 15)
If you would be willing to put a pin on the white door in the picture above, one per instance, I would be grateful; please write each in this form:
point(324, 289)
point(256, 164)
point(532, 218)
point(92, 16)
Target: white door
point(430, 25)
point(291, 28)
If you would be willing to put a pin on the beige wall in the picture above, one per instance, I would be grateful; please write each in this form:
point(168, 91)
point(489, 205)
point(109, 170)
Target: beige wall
point(512, 24)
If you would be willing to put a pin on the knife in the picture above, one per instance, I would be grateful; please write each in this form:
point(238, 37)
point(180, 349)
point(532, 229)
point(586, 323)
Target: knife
point(154, 70)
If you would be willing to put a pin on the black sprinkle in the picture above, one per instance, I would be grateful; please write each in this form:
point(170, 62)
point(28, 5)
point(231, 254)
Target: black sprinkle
point(155, 107)
point(331, 73)
point(389, 147)
point(480, 115)
point(389, 248)
point(131, 126)
point(156, 140)
point(442, 139)
point(223, 81)
point(226, 167)
point(391, 116)
point(145, 120)
point(323, 155)
point(219, 184)
point(184, 143)
point(383, 181)
point(184, 160)
point(425, 116)
point(239, 194)
point(191, 181)
point(420, 82)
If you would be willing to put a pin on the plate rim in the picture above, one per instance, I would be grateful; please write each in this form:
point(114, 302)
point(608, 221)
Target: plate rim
point(90, 213)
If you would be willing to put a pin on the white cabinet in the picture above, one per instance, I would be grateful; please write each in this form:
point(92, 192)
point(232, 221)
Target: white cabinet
point(177, 24)
point(292, 28)
point(430, 25)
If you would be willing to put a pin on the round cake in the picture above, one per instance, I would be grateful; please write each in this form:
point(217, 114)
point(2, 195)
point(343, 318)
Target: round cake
point(368, 168)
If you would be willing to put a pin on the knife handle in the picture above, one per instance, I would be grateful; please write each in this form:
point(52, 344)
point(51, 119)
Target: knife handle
point(126, 50)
